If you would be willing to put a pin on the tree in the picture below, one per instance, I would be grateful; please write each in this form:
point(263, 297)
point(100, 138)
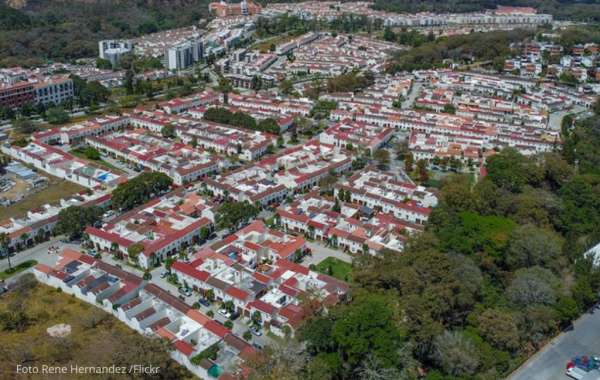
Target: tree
point(256, 318)
point(225, 88)
point(233, 214)
point(511, 170)
point(139, 190)
point(280, 141)
point(133, 252)
point(532, 286)
point(4, 244)
point(204, 233)
point(449, 108)
point(57, 115)
point(128, 82)
point(73, 220)
point(530, 245)
point(408, 162)
point(103, 64)
point(422, 171)
point(286, 87)
point(382, 156)
point(91, 153)
point(500, 328)
point(25, 126)
point(366, 327)
point(455, 354)
point(168, 131)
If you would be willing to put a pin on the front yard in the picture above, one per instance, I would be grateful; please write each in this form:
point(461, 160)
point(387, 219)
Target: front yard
point(336, 268)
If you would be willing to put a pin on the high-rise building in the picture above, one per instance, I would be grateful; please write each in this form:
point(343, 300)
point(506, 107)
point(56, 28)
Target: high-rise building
point(184, 55)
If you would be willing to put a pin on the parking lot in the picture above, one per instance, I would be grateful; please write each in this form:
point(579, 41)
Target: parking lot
point(550, 362)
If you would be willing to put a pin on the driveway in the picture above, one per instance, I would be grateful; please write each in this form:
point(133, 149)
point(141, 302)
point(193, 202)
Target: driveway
point(321, 252)
point(550, 362)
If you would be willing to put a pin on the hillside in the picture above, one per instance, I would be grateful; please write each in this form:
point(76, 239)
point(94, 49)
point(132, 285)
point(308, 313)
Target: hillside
point(560, 9)
point(38, 30)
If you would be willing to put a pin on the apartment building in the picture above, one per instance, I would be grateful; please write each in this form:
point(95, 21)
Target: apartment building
point(348, 133)
point(160, 228)
point(38, 223)
point(355, 228)
point(182, 163)
point(149, 310)
point(60, 164)
point(393, 194)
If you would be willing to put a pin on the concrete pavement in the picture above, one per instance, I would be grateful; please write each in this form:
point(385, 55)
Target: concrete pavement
point(39, 253)
point(320, 252)
point(550, 362)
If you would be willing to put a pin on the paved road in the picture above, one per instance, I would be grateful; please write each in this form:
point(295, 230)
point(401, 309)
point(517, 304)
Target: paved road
point(39, 253)
point(550, 362)
point(321, 252)
point(412, 96)
point(555, 118)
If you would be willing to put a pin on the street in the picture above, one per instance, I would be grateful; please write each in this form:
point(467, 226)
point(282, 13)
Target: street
point(39, 253)
point(550, 362)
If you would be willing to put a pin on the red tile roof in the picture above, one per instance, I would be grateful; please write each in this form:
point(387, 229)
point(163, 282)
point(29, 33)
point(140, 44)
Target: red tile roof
point(217, 328)
point(184, 347)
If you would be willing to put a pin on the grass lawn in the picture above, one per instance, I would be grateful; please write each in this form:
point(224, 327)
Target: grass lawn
point(335, 268)
point(57, 189)
point(17, 269)
point(96, 338)
point(264, 46)
point(101, 163)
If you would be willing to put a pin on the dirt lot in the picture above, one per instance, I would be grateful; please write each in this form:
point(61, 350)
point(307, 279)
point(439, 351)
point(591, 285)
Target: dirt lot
point(19, 188)
point(57, 188)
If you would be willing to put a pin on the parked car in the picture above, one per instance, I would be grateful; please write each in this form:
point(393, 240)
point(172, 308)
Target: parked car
point(185, 291)
point(204, 301)
point(255, 331)
point(164, 274)
point(225, 313)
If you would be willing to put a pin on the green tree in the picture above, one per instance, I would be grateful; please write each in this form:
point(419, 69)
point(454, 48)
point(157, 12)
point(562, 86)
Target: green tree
point(168, 131)
point(139, 190)
point(500, 328)
point(25, 126)
point(382, 156)
point(73, 220)
point(530, 246)
point(233, 214)
point(133, 252)
point(455, 354)
point(57, 115)
point(408, 162)
point(4, 244)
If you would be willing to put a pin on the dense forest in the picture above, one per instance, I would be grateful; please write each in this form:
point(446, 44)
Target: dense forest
point(491, 46)
point(562, 9)
point(499, 271)
point(46, 30)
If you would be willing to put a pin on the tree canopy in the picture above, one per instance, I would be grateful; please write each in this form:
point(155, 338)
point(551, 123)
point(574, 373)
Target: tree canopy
point(140, 190)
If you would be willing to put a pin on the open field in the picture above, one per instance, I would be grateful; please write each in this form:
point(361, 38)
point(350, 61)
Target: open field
point(96, 340)
point(336, 268)
point(14, 192)
point(57, 189)
point(263, 46)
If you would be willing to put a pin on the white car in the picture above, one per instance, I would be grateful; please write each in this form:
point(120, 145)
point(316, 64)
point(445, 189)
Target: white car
point(225, 313)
